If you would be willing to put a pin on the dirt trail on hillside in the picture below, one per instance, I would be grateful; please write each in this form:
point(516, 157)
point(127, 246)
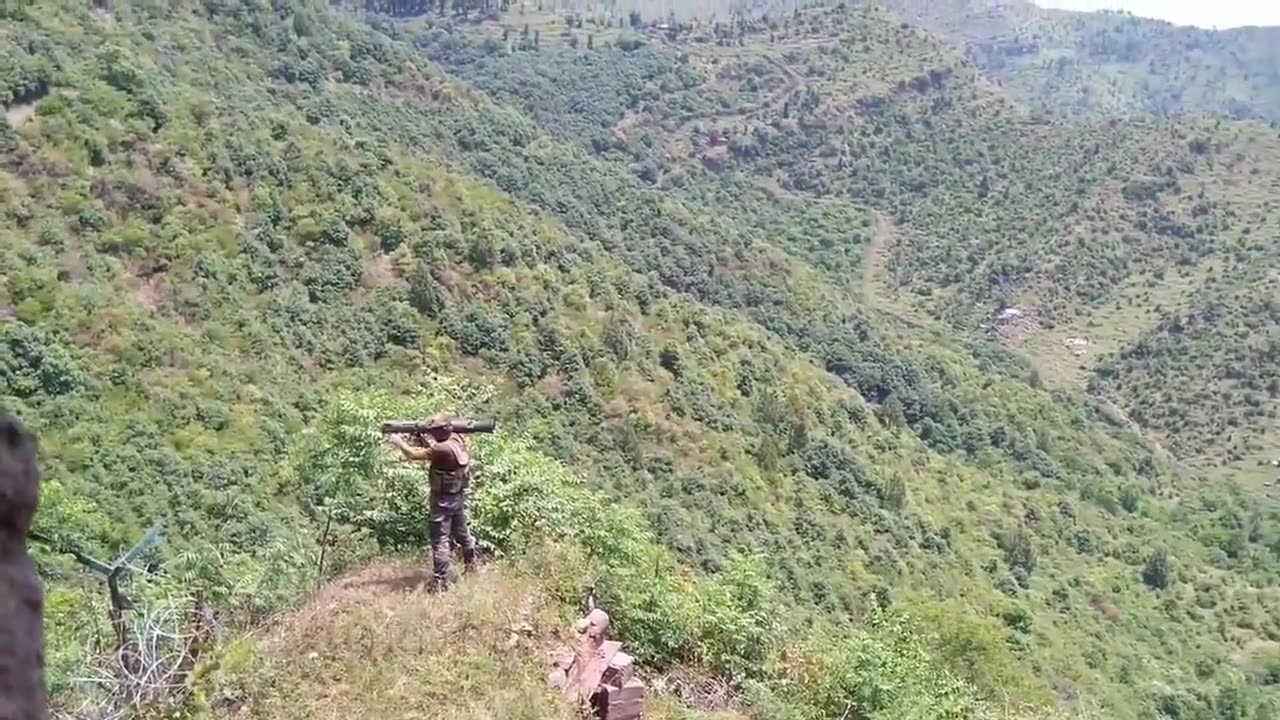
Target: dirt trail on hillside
point(874, 260)
point(878, 290)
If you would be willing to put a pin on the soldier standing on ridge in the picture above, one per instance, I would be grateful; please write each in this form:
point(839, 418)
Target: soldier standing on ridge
point(450, 474)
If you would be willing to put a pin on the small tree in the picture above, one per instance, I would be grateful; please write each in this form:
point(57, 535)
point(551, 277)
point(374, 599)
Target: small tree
point(1019, 551)
point(895, 491)
point(1156, 572)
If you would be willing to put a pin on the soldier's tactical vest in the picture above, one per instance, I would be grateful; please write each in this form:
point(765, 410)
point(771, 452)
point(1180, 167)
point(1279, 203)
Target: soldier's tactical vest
point(450, 482)
point(451, 478)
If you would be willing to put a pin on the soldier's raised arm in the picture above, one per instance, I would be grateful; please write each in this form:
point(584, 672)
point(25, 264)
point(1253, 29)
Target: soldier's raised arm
point(410, 452)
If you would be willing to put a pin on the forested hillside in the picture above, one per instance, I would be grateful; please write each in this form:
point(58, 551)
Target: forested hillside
point(1107, 64)
point(674, 258)
point(1211, 395)
point(1092, 234)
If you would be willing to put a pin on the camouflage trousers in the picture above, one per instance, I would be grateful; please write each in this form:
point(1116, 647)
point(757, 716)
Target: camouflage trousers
point(447, 529)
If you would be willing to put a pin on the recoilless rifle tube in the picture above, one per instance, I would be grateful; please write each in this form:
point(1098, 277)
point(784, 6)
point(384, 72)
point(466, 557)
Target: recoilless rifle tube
point(461, 425)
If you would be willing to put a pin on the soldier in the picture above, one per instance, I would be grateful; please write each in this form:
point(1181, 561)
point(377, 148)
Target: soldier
point(450, 474)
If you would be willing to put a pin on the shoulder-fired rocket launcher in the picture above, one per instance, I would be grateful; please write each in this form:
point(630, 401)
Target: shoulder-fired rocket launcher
point(460, 425)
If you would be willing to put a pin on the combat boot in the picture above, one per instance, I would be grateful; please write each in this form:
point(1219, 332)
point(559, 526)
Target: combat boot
point(439, 584)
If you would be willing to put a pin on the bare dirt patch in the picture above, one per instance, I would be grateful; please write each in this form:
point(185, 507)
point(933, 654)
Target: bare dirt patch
point(1013, 324)
point(150, 292)
point(18, 115)
point(378, 272)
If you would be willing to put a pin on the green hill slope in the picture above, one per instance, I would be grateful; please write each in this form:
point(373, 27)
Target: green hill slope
point(219, 219)
point(1075, 65)
point(1096, 233)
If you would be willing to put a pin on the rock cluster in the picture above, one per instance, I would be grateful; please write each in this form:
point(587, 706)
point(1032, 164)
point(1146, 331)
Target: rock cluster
point(595, 672)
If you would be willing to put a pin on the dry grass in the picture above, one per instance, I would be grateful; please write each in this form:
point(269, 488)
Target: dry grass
point(375, 646)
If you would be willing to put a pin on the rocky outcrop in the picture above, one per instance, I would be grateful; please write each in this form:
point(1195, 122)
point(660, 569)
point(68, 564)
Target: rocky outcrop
point(594, 672)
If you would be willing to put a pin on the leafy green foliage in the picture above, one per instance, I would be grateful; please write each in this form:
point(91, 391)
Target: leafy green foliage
point(1156, 572)
point(1101, 234)
point(295, 219)
point(35, 366)
point(731, 624)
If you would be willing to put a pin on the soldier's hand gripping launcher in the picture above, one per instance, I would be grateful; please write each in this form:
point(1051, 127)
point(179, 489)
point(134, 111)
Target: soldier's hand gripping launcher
point(461, 425)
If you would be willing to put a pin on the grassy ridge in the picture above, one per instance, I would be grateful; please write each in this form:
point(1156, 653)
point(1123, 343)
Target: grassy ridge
point(568, 539)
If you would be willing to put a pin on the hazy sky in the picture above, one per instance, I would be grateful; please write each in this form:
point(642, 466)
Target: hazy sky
point(1205, 13)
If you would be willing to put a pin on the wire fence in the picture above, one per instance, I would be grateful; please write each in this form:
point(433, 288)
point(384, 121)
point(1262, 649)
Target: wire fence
point(148, 668)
